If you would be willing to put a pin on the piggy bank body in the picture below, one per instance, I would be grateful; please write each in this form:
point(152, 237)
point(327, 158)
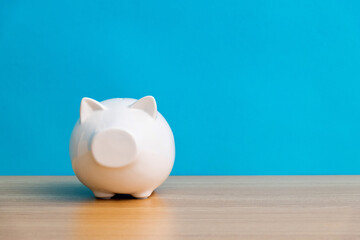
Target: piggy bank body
point(123, 146)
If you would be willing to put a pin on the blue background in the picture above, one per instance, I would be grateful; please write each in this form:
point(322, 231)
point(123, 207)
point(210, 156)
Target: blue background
point(249, 87)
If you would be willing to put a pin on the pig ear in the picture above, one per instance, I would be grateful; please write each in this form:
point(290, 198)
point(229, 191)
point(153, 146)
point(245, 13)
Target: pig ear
point(147, 104)
point(87, 107)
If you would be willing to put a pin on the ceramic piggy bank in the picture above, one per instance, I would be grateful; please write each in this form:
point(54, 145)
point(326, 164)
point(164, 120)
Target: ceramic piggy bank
point(123, 146)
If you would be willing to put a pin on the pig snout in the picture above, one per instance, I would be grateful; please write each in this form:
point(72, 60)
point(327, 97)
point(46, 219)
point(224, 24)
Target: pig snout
point(113, 148)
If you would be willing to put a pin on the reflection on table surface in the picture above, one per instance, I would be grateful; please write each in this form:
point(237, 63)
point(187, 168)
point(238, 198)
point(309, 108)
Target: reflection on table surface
point(123, 217)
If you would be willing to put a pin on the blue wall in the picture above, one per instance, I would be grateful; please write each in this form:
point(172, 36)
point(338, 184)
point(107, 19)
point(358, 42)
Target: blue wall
point(249, 87)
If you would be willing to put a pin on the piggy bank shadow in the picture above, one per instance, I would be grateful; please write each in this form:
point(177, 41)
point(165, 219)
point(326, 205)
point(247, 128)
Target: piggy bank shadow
point(60, 191)
point(66, 190)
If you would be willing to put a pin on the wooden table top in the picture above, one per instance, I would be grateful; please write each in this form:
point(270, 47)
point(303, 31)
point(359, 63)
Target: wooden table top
point(217, 207)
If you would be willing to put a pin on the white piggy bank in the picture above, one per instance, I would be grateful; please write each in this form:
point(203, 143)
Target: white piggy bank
point(121, 145)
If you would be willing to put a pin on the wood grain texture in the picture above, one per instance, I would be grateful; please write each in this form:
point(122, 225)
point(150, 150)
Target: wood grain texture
point(232, 207)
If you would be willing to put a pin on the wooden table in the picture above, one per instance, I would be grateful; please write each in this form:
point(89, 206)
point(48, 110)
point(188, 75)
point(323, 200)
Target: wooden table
point(252, 207)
